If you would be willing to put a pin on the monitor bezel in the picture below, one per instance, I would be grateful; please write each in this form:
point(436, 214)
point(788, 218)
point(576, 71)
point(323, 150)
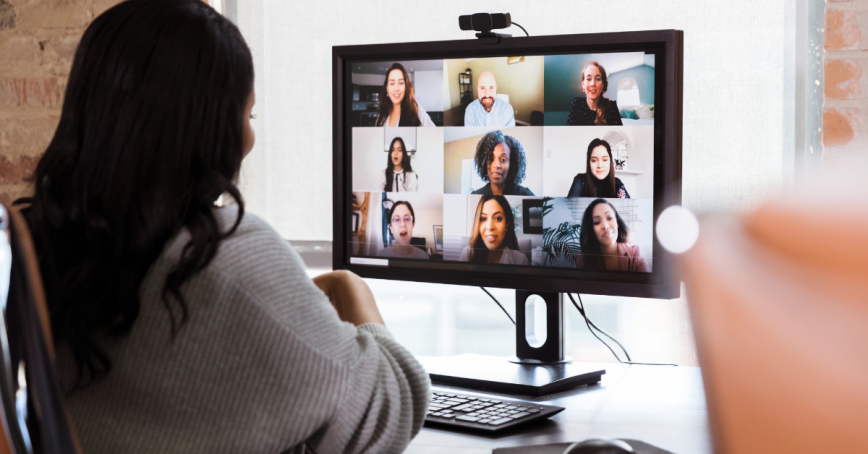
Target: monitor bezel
point(662, 282)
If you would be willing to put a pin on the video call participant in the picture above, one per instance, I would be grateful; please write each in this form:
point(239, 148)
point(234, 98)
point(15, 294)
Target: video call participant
point(398, 106)
point(500, 161)
point(488, 110)
point(603, 240)
point(401, 221)
point(594, 109)
point(600, 180)
point(399, 175)
point(492, 239)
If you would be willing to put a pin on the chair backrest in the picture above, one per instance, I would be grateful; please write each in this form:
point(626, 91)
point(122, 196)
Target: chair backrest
point(33, 416)
point(780, 308)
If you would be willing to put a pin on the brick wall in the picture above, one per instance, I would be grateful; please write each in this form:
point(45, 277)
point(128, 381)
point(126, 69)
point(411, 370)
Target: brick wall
point(38, 39)
point(845, 108)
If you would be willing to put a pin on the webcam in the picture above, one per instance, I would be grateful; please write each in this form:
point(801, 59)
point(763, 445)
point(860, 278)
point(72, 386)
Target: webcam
point(484, 23)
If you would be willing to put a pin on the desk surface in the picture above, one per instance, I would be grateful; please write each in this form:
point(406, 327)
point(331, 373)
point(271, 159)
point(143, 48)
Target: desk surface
point(660, 405)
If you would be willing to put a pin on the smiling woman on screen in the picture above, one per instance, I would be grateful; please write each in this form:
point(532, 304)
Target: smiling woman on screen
point(603, 240)
point(492, 238)
point(594, 108)
point(398, 106)
point(599, 180)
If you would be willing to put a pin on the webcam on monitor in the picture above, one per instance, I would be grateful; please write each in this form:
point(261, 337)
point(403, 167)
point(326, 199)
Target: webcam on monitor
point(484, 23)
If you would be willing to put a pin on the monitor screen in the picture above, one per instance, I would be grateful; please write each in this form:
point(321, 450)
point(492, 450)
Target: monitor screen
point(520, 167)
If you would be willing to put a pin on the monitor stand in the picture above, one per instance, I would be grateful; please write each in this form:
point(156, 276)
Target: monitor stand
point(533, 371)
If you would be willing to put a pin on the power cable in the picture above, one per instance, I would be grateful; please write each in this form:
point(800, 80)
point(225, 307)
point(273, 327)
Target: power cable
point(522, 28)
point(592, 326)
point(498, 303)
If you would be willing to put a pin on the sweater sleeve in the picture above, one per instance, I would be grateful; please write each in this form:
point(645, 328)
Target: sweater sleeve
point(359, 391)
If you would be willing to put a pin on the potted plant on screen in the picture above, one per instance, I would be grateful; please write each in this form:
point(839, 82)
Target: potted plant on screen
point(561, 242)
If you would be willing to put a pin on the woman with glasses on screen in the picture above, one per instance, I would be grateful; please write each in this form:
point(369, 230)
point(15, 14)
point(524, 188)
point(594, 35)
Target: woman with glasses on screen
point(500, 161)
point(397, 105)
point(401, 221)
point(599, 180)
point(492, 238)
point(181, 326)
point(399, 175)
point(594, 108)
point(603, 240)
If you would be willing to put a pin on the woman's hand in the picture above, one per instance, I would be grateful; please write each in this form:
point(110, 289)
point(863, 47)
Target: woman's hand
point(350, 296)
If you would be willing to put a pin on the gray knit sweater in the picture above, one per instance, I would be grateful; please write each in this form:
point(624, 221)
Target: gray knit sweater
point(263, 365)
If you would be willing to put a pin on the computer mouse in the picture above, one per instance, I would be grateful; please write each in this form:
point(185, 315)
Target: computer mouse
point(599, 446)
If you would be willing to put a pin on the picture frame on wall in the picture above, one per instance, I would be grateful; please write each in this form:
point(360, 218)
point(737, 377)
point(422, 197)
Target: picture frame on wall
point(355, 223)
point(438, 237)
point(532, 216)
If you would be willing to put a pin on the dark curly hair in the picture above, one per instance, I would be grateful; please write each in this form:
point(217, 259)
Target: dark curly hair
point(485, 154)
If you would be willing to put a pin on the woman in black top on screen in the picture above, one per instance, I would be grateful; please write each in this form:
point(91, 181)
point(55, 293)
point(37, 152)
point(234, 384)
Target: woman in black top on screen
point(600, 180)
point(500, 161)
point(594, 109)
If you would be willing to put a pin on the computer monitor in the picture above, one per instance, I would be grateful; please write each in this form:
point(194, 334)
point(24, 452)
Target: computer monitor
point(535, 163)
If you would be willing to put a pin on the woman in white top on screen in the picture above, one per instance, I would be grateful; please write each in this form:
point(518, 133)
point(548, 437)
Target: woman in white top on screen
point(493, 239)
point(398, 106)
point(399, 175)
point(401, 221)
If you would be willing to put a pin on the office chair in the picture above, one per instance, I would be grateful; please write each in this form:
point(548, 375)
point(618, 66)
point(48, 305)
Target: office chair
point(33, 417)
point(779, 315)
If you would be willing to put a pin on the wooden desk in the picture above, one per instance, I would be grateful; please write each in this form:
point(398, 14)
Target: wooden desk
point(661, 405)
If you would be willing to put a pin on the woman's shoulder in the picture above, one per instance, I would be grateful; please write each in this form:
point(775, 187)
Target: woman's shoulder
point(485, 190)
point(253, 245)
point(521, 190)
point(630, 250)
point(419, 254)
point(513, 257)
point(577, 103)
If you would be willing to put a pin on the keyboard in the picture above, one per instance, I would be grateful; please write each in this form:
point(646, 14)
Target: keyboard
point(491, 415)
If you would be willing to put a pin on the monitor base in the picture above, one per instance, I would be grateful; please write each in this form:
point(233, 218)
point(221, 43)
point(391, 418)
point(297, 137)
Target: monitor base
point(536, 362)
point(497, 374)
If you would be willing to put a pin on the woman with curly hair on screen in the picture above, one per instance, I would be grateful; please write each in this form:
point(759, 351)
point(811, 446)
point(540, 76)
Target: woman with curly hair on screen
point(501, 162)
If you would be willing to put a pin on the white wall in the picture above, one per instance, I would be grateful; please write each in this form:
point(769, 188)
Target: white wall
point(733, 126)
point(428, 86)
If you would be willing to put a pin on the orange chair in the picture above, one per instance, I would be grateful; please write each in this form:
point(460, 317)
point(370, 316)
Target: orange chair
point(33, 416)
point(779, 302)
